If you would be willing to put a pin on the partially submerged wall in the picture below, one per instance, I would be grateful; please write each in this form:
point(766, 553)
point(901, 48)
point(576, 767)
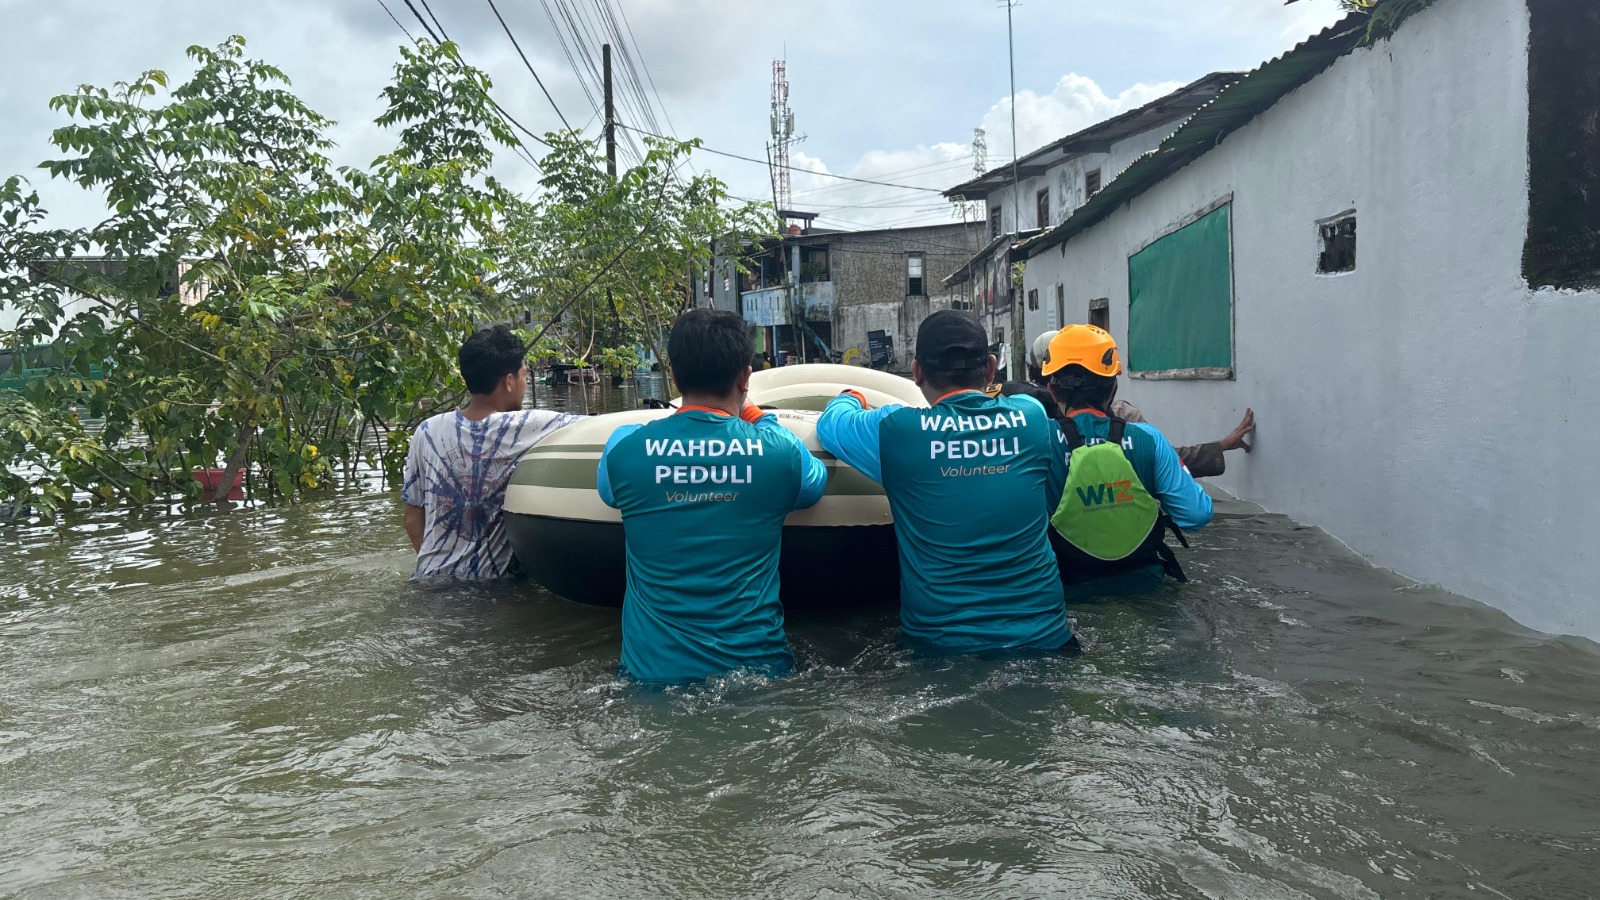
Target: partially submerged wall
point(1429, 409)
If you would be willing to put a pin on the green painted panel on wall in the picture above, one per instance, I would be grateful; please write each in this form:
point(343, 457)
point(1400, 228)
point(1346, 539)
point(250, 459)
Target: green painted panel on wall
point(1180, 299)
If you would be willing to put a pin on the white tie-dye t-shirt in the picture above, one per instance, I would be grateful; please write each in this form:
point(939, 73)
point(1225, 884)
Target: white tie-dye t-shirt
point(457, 471)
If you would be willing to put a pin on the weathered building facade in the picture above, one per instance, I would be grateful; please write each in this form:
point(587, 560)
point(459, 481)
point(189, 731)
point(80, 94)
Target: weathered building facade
point(1042, 190)
point(1415, 390)
point(849, 296)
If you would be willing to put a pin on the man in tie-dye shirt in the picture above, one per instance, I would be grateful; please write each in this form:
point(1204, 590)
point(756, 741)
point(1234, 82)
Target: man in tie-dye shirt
point(460, 462)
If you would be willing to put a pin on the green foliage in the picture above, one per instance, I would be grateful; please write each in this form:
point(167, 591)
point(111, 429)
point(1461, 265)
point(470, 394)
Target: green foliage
point(607, 262)
point(1384, 17)
point(260, 302)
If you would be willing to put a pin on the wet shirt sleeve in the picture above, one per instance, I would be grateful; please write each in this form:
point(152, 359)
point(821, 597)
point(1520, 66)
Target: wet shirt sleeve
point(412, 491)
point(851, 433)
point(1182, 498)
point(1204, 460)
point(813, 474)
point(603, 474)
point(1056, 476)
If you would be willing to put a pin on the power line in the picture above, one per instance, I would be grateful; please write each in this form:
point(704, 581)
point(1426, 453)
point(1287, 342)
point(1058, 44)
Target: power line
point(925, 168)
point(397, 22)
point(839, 191)
point(621, 10)
point(908, 187)
point(510, 119)
point(441, 38)
point(566, 50)
point(575, 21)
point(424, 22)
point(436, 23)
point(525, 62)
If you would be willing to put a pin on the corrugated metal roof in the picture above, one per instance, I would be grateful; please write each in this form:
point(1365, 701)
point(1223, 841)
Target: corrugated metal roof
point(1251, 96)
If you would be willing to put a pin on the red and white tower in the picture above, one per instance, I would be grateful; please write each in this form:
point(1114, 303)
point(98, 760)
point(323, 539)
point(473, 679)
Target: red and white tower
point(782, 134)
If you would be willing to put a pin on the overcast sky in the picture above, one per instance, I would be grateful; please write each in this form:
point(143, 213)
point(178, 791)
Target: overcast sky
point(882, 90)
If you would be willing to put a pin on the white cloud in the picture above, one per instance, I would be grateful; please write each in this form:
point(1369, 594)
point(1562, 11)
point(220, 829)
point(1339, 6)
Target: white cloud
point(1075, 103)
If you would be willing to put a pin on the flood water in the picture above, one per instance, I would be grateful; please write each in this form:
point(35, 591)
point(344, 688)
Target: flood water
point(260, 704)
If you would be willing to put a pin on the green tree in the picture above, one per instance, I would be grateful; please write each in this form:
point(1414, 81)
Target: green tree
point(265, 299)
point(605, 264)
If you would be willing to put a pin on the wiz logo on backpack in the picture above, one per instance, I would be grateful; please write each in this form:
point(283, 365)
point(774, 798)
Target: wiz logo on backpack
point(1110, 492)
point(1105, 510)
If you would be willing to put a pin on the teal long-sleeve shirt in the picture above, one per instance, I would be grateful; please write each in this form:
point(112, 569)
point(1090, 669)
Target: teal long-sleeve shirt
point(971, 482)
point(703, 496)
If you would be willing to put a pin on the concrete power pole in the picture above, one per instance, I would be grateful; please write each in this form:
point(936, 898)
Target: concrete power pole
point(1016, 204)
point(611, 113)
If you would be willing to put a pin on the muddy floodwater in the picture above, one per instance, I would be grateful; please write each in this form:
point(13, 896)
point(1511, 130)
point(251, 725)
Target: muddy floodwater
point(259, 704)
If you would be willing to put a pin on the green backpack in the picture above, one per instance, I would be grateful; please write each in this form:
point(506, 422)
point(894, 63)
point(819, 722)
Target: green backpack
point(1105, 510)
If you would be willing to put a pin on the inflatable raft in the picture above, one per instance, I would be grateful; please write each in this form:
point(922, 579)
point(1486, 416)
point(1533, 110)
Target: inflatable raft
point(838, 551)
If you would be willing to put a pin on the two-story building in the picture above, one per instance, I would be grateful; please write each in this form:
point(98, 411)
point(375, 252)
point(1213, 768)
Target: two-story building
point(1042, 190)
point(857, 297)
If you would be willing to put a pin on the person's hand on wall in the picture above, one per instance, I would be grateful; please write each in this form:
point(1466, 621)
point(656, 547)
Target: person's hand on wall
point(1236, 438)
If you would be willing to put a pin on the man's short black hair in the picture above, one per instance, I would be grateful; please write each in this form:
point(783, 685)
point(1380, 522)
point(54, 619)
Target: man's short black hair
point(1078, 388)
point(489, 355)
point(709, 350)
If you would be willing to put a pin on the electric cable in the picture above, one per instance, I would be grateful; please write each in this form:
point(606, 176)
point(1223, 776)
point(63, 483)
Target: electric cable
point(525, 62)
point(908, 187)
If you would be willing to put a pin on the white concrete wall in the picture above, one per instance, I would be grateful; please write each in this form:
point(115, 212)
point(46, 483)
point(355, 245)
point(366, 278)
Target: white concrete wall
point(1429, 409)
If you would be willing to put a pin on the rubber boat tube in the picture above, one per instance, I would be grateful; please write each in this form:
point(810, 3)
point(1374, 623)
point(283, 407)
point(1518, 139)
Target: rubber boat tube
point(840, 552)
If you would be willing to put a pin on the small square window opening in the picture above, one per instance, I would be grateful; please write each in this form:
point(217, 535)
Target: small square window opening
point(1100, 313)
point(1336, 244)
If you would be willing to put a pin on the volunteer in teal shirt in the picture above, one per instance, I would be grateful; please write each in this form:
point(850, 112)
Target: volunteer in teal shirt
point(703, 495)
point(972, 482)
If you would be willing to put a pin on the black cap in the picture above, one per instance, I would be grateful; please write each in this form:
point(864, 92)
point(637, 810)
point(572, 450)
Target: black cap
point(951, 340)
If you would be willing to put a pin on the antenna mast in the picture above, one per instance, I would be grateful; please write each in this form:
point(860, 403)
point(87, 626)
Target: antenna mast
point(782, 134)
point(970, 210)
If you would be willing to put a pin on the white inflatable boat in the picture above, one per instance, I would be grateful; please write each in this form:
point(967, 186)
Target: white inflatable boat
point(836, 552)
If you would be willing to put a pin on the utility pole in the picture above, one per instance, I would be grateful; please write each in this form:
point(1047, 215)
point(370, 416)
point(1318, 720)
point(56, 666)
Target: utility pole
point(611, 158)
point(611, 113)
point(1016, 196)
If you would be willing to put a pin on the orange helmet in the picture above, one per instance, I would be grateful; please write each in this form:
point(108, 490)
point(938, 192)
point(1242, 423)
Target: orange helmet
point(1082, 345)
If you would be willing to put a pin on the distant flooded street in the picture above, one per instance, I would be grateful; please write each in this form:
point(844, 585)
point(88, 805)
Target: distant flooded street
point(260, 704)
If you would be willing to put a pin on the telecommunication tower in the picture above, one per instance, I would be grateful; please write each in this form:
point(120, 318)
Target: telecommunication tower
point(782, 134)
point(972, 211)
